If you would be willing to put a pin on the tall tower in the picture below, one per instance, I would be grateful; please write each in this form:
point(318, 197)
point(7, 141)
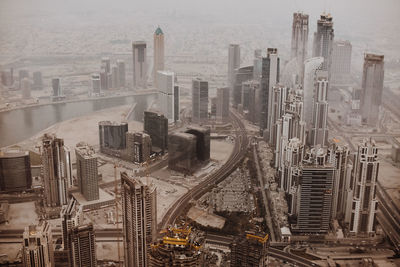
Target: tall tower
point(310, 74)
point(341, 62)
point(365, 179)
point(83, 246)
point(71, 216)
point(233, 63)
point(56, 170)
point(300, 41)
point(139, 210)
point(156, 125)
point(199, 100)
point(223, 104)
point(166, 94)
point(372, 87)
point(158, 53)
point(86, 172)
point(323, 40)
point(37, 246)
point(139, 64)
point(121, 73)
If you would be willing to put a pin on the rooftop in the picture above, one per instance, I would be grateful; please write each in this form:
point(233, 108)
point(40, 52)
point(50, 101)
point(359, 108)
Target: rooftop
point(158, 31)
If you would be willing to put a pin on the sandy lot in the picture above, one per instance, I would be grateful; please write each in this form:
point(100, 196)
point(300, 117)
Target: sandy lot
point(21, 215)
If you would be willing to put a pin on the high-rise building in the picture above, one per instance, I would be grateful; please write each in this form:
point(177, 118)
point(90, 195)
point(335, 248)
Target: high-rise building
point(323, 40)
point(114, 78)
point(21, 75)
point(182, 152)
point(222, 111)
point(71, 216)
point(199, 100)
point(249, 250)
point(86, 172)
point(166, 94)
point(37, 81)
point(311, 66)
point(96, 85)
point(364, 182)
point(104, 79)
point(233, 63)
point(56, 170)
point(139, 64)
point(139, 217)
point(341, 62)
point(158, 53)
point(176, 101)
point(372, 86)
point(121, 73)
point(257, 64)
point(55, 83)
point(105, 61)
point(15, 171)
point(279, 98)
point(112, 135)
point(37, 246)
point(241, 75)
point(251, 104)
point(202, 141)
point(138, 146)
point(156, 125)
point(26, 88)
point(299, 41)
point(83, 246)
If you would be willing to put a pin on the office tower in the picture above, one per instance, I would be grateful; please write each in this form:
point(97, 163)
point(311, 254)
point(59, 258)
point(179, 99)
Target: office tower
point(176, 103)
point(112, 135)
point(121, 73)
point(21, 75)
point(166, 94)
point(241, 75)
point(37, 246)
point(315, 194)
point(158, 53)
point(233, 63)
point(311, 66)
point(71, 215)
point(323, 41)
point(199, 100)
point(55, 83)
point(138, 146)
point(178, 247)
point(139, 217)
point(109, 80)
point(105, 61)
point(56, 170)
point(202, 141)
point(26, 88)
point(257, 64)
point(182, 152)
point(86, 172)
point(338, 156)
point(372, 86)
point(222, 111)
point(83, 246)
point(139, 64)
point(249, 250)
point(319, 127)
point(96, 85)
point(269, 78)
point(365, 179)
point(114, 77)
point(299, 41)
point(15, 171)
point(279, 97)
point(104, 79)
point(37, 81)
point(341, 62)
point(156, 125)
point(213, 109)
point(251, 104)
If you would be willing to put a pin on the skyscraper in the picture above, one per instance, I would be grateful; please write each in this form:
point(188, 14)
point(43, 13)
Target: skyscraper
point(223, 104)
point(37, 246)
point(249, 250)
point(55, 82)
point(158, 53)
point(15, 171)
point(241, 75)
point(105, 61)
point(341, 62)
point(299, 41)
point(310, 69)
point(166, 94)
point(365, 179)
point(96, 85)
point(233, 62)
point(112, 135)
point(57, 170)
point(372, 87)
point(86, 172)
point(139, 64)
point(21, 75)
point(323, 40)
point(139, 210)
point(71, 216)
point(199, 100)
point(156, 125)
point(83, 247)
point(37, 81)
point(114, 77)
point(182, 152)
point(121, 73)
point(138, 146)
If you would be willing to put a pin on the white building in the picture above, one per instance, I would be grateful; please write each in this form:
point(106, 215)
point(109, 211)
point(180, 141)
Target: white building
point(168, 95)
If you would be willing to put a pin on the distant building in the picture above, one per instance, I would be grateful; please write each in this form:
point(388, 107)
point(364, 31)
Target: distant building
point(249, 250)
point(57, 92)
point(114, 77)
point(222, 104)
point(323, 41)
point(372, 86)
point(168, 94)
point(112, 135)
point(26, 88)
point(86, 172)
point(121, 73)
point(106, 63)
point(199, 100)
point(251, 100)
point(71, 216)
point(311, 66)
point(21, 75)
point(56, 170)
point(139, 64)
point(182, 152)
point(15, 171)
point(241, 75)
point(96, 84)
point(202, 142)
point(37, 246)
point(139, 218)
point(156, 125)
point(257, 64)
point(138, 146)
point(341, 62)
point(177, 107)
point(158, 53)
point(233, 63)
point(37, 81)
point(83, 246)
point(299, 41)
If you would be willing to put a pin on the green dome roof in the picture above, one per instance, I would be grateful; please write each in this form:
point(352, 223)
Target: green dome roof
point(158, 31)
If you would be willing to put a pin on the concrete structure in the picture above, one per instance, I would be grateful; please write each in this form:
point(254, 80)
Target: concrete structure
point(121, 73)
point(86, 172)
point(241, 75)
point(168, 95)
point(233, 63)
point(55, 83)
point(139, 64)
point(249, 250)
point(112, 135)
point(310, 69)
point(138, 146)
point(37, 246)
point(202, 141)
point(323, 40)
point(156, 125)
point(182, 152)
point(104, 84)
point(26, 88)
point(56, 170)
point(158, 54)
point(199, 100)
point(222, 107)
point(139, 213)
point(341, 62)
point(96, 85)
point(365, 178)
point(299, 42)
point(83, 246)
point(15, 171)
point(372, 86)
point(71, 215)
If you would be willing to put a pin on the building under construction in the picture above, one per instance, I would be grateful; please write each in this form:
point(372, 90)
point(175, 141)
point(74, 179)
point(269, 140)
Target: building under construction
point(249, 250)
point(178, 247)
